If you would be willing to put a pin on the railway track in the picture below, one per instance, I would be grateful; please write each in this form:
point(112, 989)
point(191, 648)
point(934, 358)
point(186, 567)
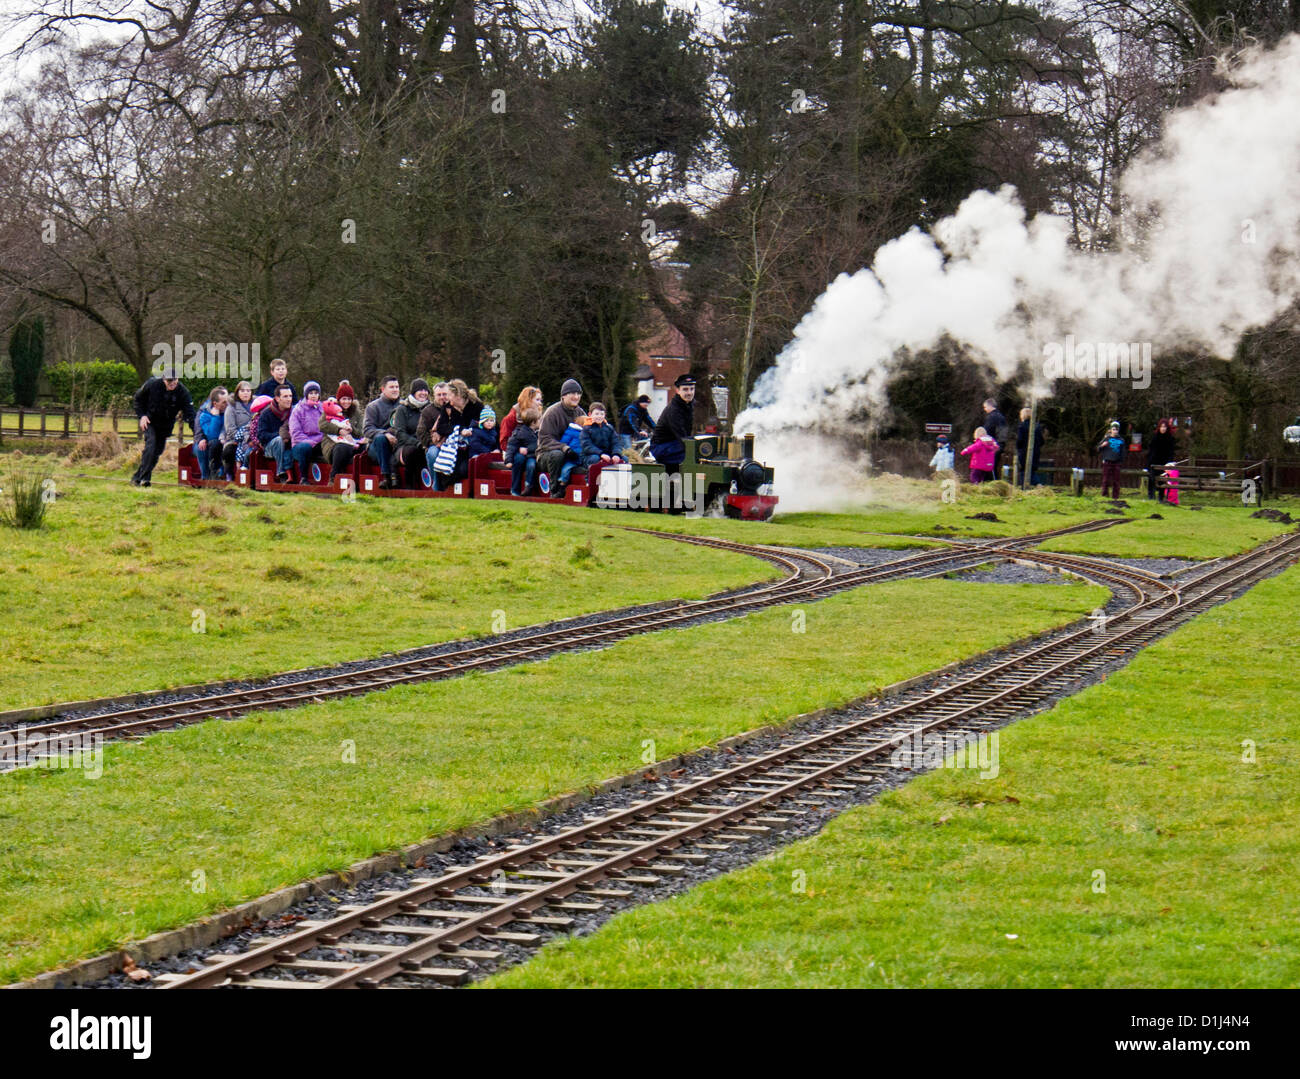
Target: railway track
point(807, 578)
point(444, 930)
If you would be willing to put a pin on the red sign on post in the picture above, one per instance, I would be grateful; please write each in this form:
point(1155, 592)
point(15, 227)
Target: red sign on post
point(938, 428)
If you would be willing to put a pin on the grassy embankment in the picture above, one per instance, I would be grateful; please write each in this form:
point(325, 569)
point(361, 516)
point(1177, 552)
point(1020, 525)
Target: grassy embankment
point(242, 807)
point(1140, 834)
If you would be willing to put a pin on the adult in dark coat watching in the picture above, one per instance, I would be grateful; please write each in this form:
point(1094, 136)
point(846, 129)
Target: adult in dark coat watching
point(995, 424)
point(1162, 450)
point(554, 456)
point(1028, 476)
point(157, 404)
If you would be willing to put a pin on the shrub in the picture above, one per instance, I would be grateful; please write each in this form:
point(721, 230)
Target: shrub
point(92, 385)
point(30, 493)
point(101, 447)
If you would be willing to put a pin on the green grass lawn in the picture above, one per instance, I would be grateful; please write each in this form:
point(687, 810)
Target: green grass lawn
point(261, 802)
point(1130, 840)
point(106, 598)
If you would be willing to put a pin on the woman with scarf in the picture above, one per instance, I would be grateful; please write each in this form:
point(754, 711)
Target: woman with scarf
point(238, 429)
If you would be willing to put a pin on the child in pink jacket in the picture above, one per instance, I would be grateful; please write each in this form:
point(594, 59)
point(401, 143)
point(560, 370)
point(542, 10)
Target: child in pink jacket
point(983, 452)
point(1171, 483)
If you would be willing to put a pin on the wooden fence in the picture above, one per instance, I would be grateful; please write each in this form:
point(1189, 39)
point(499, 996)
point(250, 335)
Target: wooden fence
point(65, 423)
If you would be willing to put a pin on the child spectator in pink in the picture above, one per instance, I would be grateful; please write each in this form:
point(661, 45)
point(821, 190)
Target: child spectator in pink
point(1171, 483)
point(982, 453)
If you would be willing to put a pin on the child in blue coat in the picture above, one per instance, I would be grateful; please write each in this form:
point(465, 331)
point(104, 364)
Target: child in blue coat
point(483, 436)
point(599, 440)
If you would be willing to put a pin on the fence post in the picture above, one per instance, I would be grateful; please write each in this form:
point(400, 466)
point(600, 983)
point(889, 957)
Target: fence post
point(20, 422)
point(67, 420)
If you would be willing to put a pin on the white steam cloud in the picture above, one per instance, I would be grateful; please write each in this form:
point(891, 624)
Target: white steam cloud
point(1220, 254)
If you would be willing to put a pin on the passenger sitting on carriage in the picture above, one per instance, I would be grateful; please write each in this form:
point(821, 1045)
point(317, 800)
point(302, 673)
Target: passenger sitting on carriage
point(483, 435)
point(599, 441)
point(304, 429)
point(340, 423)
point(273, 430)
point(240, 429)
point(404, 423)
point(521, 451)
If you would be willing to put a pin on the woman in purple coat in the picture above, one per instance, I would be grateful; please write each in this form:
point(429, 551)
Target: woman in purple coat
point(304, 429)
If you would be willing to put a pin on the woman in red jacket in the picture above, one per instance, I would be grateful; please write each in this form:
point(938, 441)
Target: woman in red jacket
point(529, 396)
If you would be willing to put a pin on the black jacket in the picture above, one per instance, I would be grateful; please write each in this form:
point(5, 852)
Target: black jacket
point(268, 388)
point(406, 422)
point(1022, 443)
point(269, 425)
point(633, 420)
point(162, 405)
point(1162, 450)
point(996, 425)
point(674, 423)
point(522, 437)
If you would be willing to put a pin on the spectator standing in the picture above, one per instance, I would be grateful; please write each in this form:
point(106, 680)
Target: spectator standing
point(376, 428)
point(983, 454)
point(237, 443)
point(1171, 483)
point(279, 377)
point(1112, 455)
point(943, 459)
point(1162, 450)
point(1030, 476)
point(157, 404)
point(554, 456)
